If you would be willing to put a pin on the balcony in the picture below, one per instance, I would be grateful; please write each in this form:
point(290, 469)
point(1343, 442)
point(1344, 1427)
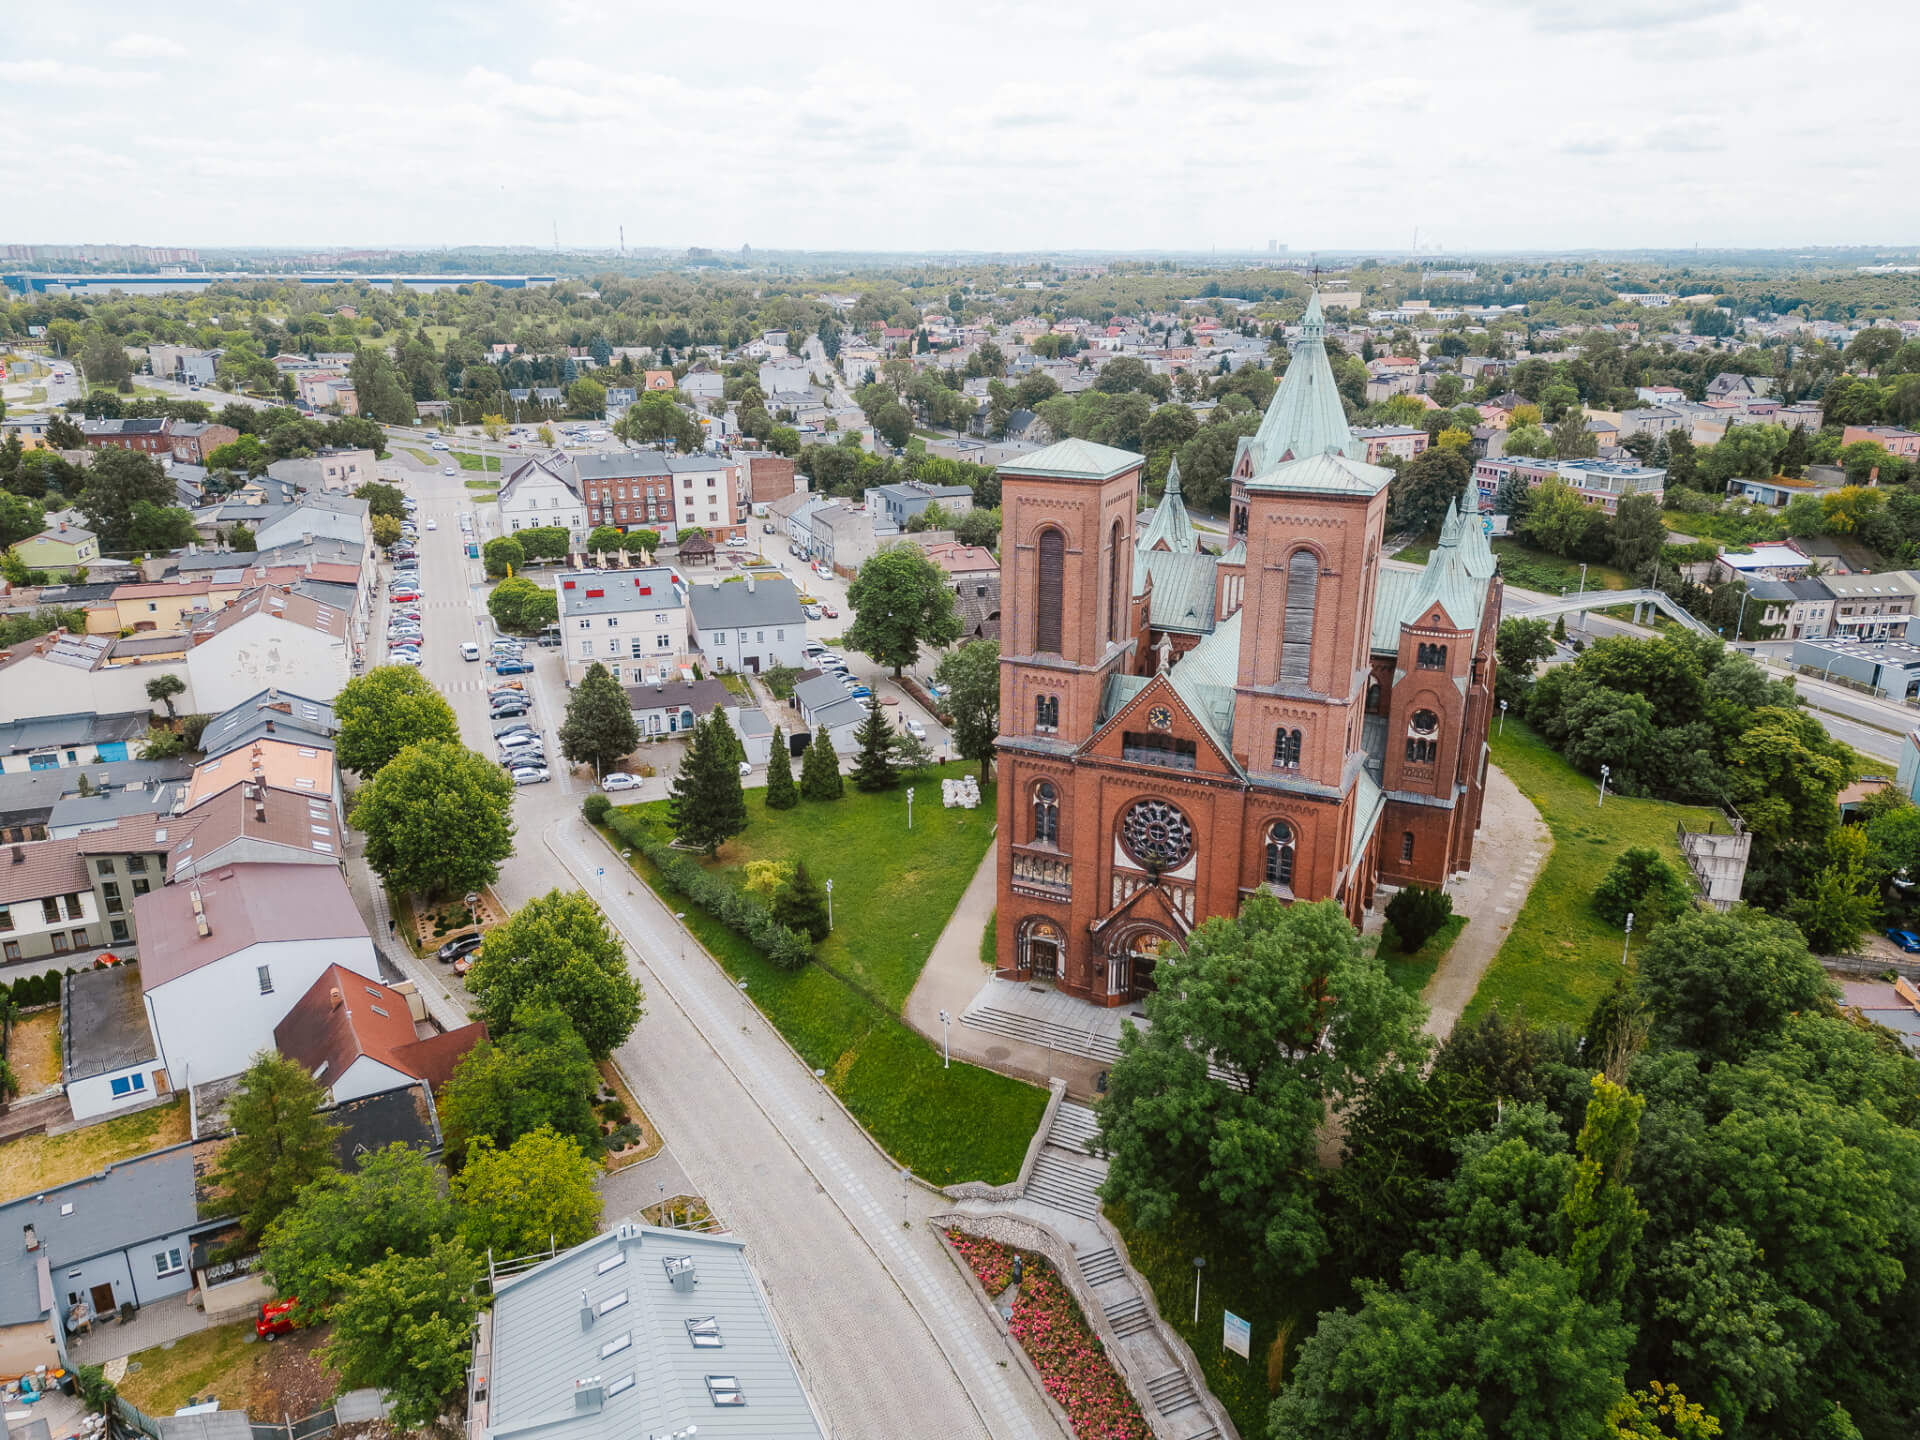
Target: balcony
point(1043, 875)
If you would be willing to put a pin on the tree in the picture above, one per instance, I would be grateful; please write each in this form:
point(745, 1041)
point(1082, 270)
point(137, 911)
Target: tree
point(599, 729)
point(1290, 1004)
point(1721, 983)
point(1641, 883)
point(901, 601)
point(158, 527)
point(65, 434)
point(378, 389)
point(537, 1193)
point(19, 516)
point(820, 777)
point(404, 1327)
point(242, 539)
point(280, 1143)
point(586, 399)
point(494, 426)
point(386, 531)
point(519, 605)
point(380, 713)
point(912, 756)
point(502, 555)
point(873, 767)
point(342, 1223)
point(1518, 646)
point(1417, 914)
point(162, 688)
point(970, 676)
point(117, 481)
point(800, 904)
point(706, 806)
point(1426, 486)
point(781, 792)
point(388, 500)
point(538, 1074)
point(1603, 1219)
point(1872, 348)
point(162, 745)
point(979, 527)
point(606, 539)
point(1639, 535)
point(1842, 897)
point(558, 949)
point(438, 819)
point(1527, 440)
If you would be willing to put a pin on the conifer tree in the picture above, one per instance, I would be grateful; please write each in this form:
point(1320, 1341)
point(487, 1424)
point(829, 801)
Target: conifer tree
point(873, 767)
point(820, 770)
point(781, 792)
point(706, 807)
point(802, 905)
point(599, 728)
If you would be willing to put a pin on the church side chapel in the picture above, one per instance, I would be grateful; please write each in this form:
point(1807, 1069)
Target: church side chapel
point(1181, 728)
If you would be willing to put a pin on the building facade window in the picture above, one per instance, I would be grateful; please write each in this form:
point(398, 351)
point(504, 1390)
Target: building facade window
point(110, 892)
point(1279, 859)
point(1423, 737)
point(1046, 814)
point(1296, 640)
point(1286, 749)
point(1049, 592)
point(1430, 657)
point(1114, 618)
point(1406, 847)
point(1046, 713)
point(266, 979)
point(127, 1085)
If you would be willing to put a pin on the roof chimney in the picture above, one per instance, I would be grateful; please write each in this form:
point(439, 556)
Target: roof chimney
point(680, 1273)
point(586, 1305)
point(588, 1395)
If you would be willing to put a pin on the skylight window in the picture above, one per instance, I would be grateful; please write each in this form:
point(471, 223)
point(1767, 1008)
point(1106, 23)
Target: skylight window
point(613, 1302)
point(620, 1342)
point(725, 1390)
point(625, 1382)
point(612, 1263)
point(704, 1332)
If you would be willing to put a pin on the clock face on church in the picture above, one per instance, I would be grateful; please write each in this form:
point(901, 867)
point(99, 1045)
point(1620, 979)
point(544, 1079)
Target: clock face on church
point(1159, 718)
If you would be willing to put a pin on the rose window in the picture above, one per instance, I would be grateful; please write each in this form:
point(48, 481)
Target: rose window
point(1157, 835)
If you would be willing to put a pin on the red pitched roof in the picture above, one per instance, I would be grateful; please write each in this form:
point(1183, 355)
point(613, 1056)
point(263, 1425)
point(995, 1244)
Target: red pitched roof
point(345, 1016)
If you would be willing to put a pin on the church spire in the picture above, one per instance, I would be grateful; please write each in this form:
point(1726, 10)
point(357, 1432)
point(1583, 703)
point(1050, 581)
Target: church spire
point(1305, 416)
point(1172, 491)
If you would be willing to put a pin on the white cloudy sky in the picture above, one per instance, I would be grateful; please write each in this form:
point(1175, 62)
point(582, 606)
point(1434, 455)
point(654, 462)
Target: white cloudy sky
point(822, 124)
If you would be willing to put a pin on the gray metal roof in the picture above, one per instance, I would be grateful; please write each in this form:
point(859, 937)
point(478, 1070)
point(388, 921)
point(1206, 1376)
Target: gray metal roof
point(74, 813)
point(616, 592)
point(52, 732)
point(26, 793)
point(731, 604)
point(607, 1312)
point(619, 465)
point(292, 716)
point(103, 1024)
point(136, 1200)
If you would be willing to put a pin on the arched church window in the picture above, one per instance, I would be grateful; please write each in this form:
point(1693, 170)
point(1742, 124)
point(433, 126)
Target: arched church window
point(1049, 592)
point(1286, 749)
point(1279, 867)
point(1156, 835)
point(1373, 697)
point(1046, 712)
point(1423, 737)
point(1046, 814)
point(1296, 640)
point(1115, 605)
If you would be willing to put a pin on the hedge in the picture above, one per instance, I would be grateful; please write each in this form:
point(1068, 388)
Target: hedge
point(740, 913)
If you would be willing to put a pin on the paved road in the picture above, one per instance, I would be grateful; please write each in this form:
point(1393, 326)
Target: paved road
point(883, 1327)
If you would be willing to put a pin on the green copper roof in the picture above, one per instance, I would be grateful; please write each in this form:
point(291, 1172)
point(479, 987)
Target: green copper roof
point(1169, 529)
point(1078, 459)
point(1306, 416)
point(1184, 587)
point(1331, 473)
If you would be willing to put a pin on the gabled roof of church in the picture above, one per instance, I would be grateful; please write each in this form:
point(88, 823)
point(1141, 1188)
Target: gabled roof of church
point(1184, 590)
point(1170, 528)
point(1456, 578)
point(1331, 473)
point(1204, 678)
point(1079, 459)
point(1305, 416)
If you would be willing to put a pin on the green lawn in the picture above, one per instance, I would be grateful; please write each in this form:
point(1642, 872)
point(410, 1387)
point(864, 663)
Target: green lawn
point(893, 892)
point(990, 941)
point(1532, 569)
point(1561, 957)
point(1412, 972)
point(470, 461)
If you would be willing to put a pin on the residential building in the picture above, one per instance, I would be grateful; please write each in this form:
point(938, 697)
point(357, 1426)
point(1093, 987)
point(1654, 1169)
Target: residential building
point(28, 799)
point(968, 567)
point(541, 491)
point(339, 468)
point(627, 489)
point(163, 605)
point(1872, 607)
point(289, 765)
point(708, 494)
point(638, 1332)
point(320, 512)
point(699, 386)
point(1896, 441)
point(771, 477)
point(194, 440)
point(1729, 386)
point(842, 536)
point(1403, 441)
point(225, 955)
point(752, 624)
point(671, 707)
point(788, 372)
point(893, 506)
point(47, 742)
point(84, 1249)
point(108, 1060)
point(1767, 562)
point(270, 636)
point(1793, 609)
point(660, 379)
point(356, 1036)
point(61, 548)
point(104, 809)
point(270, 714)
point(632, 621)
point(1322, 726)
point(47, 905)
point(144, 437)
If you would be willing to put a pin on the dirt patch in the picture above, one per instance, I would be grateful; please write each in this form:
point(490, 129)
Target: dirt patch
point(33, 1050)
point(227, 1363)
point(683, 1212)
point(295, 1382)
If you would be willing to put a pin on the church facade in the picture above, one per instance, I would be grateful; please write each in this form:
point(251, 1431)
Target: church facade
point(1181, 728)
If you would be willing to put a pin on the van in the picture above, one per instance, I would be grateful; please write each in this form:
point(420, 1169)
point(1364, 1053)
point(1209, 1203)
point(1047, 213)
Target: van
point(550, 638)
point(470, 651)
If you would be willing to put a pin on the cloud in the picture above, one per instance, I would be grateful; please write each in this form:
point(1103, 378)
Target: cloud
point(1572, 17)
point(147, 47)
point(58, 72)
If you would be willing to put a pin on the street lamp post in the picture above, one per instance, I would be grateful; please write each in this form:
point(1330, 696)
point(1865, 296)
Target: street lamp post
point(906, 1196)
point(909, 807)
point(1605, 771)
point(1740, 624)
point(1199, 1264)
point(829, 905)
point(681, 916)
point(1503, 717)
point(1628, 940)
point(946, 1041)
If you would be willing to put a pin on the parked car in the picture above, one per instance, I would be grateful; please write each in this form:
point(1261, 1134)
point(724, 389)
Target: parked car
point(435, 524)
point(512, 665)
point(813, 612)
point(458, 946)
point(826, 610)
point(448, 470)
point(507, 710)
point(813, 648)
point(619, 780)
point(827, 660)
point(1906, 940)
point(405, 596)
point(860, 692)
point(916, 729)
point(405, 657)
point(441, 445)
point(522, 728)
point(275, 1319)
point(531, 775)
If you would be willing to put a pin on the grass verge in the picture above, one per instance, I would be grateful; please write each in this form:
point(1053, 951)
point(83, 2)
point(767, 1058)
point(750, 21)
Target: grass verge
point(842, 1013)
point(39, 1162)
point(1560, 956)
point(1412, 972)
point(990, 941)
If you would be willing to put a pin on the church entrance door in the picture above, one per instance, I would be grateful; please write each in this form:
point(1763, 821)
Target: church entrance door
point(1045, 958)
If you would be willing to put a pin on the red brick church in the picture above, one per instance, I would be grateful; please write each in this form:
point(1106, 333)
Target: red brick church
point(1182, 728)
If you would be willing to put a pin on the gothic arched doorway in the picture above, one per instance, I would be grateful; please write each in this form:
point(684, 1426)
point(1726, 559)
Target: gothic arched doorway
point(1039, 950)
point(1134, 958)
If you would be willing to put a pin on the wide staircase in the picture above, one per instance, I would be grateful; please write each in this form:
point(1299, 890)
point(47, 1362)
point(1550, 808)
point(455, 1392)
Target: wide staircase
point(1066, 1175)
point(1071, 1039)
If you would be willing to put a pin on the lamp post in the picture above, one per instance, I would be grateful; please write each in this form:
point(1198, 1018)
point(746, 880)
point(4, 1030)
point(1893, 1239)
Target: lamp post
point(1199, 1264)
point(1503, 717)
point(909, 807)
point(681, 916)
point(829, 906)
point(1628, 940)
point(1605, 771)
point(1739, 624)
point(946, 1041)
point(906, 1196)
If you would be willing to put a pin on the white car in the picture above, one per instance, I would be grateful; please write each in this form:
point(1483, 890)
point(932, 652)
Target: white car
point(530, 775)
point(405, 657)
point(441, 445)
point(619, 780)
point(916, 729)
point(469, 651)
point(449, 470)
point(433, 524)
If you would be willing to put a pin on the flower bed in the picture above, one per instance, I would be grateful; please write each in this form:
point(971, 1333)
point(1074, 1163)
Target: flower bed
point(1069, 1357)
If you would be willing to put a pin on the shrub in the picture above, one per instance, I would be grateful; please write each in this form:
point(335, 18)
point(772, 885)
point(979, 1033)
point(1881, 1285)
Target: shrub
point(684, 875)
point(595, 808)
point(1418, 914)
point(1644, 884)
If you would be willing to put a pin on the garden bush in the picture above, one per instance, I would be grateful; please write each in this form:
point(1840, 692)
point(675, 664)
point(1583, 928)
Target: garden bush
point(748, 919)
point(1417, 914)
point(1644, 884)
point(595, 808)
